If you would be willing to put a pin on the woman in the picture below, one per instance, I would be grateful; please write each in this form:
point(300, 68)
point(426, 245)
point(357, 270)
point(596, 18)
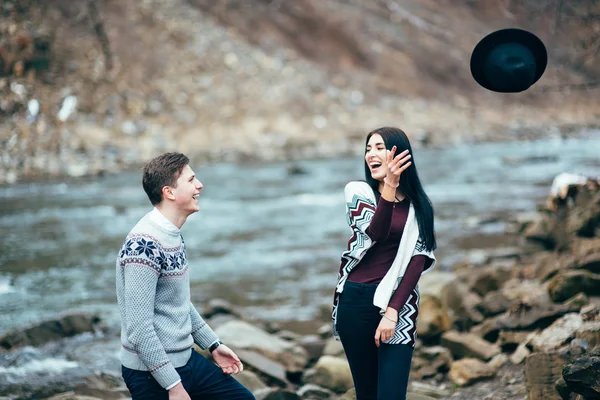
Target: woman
point(377, 298)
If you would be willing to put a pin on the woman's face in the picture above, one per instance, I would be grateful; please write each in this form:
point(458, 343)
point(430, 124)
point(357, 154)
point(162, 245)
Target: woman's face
point(375, 156)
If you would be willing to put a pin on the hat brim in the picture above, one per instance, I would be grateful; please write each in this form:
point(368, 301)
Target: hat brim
point(509, 35)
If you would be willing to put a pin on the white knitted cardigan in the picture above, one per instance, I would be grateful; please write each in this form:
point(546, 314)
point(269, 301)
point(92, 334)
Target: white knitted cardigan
point(360, 208)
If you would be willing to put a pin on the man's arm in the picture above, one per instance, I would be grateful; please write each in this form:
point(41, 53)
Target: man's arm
point(203, 335)
point(141, 276)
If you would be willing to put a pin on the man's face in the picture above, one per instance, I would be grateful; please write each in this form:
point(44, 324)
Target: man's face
point(187, 191)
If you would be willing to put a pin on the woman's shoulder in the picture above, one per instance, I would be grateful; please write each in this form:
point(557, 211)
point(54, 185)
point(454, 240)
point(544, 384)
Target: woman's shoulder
point(360, 188)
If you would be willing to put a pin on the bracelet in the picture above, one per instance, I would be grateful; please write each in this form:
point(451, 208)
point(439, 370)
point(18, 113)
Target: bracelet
point(214, 346)
point(385, 316)
point(389, 184)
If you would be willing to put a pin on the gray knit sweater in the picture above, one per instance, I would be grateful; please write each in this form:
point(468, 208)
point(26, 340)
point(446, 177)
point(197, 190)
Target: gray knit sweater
point(159, 324)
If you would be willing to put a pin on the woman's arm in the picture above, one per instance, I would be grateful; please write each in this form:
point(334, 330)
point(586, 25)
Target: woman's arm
point(409, 281)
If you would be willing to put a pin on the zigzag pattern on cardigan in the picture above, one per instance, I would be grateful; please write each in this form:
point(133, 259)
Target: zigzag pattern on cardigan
point(360, 211)
point(406, 328)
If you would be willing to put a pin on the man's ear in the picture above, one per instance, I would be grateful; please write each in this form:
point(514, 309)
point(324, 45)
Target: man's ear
point(167, 192)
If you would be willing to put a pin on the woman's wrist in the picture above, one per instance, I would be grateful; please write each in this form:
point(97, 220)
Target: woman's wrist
point(391, 313)
point(387, 181)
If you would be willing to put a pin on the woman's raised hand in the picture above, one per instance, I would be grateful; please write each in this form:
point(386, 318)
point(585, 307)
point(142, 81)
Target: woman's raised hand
point(396, 165)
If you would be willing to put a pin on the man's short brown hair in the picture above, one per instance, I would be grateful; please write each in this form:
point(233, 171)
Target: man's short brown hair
point(162, 171)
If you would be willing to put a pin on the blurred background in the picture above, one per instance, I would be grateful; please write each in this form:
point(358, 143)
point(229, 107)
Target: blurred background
point(272, 100)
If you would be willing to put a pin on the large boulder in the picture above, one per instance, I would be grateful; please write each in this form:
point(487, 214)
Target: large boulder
point(461, 305)
point(522, 318)
point(332, 373)
point(468, 345)
point(542, 370)
point(583, 375)
point(50, 330)
point(433, 318)
point(567, 284)
point(275, 394)
point(250, 380)
point(240, 335)
point(429, 361)
point(470, 370)
point(559, 333)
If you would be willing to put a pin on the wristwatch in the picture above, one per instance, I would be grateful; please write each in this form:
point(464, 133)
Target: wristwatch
point(214, 346)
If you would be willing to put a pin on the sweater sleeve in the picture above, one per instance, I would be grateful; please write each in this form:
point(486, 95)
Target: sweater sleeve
point(409, 282)
point(203, 335)
point(381, 223)
point(141, 277)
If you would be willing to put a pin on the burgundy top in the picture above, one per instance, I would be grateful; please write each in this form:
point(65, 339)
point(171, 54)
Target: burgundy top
point(386, 229)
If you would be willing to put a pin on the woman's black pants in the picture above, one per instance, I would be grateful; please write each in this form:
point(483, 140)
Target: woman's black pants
point(379, 373)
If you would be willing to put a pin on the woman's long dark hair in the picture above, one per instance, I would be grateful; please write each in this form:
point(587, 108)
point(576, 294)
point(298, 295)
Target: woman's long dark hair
point(410, 185)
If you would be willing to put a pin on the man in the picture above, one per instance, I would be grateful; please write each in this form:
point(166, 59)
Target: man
point(159, 324)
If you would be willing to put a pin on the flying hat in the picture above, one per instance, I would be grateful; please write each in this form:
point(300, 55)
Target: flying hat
point(509, 60)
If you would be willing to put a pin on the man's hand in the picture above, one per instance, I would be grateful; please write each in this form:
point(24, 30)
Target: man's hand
point(387, 326)
point(227, 360)
point(178, 392)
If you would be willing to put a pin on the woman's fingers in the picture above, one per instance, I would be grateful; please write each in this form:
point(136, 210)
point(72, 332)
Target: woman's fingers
point(401, 165)
point(403, 168)
point(399, 156)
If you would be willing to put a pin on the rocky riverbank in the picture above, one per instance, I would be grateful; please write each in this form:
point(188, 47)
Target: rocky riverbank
point(524, 325)
point(99, 87)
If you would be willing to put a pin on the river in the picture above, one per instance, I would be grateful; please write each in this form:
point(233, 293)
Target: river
point(266, 240)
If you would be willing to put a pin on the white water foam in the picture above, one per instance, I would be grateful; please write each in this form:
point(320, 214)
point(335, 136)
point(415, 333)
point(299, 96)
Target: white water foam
point(49, 365)
point(5, 286)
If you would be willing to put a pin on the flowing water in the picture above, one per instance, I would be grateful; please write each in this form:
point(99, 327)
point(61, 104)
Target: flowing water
point(266, 240)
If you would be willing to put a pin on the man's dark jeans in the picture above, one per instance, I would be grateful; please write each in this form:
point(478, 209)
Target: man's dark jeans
point(202, 379)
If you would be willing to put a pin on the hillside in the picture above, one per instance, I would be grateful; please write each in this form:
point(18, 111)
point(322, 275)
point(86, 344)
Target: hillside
point(251, 80)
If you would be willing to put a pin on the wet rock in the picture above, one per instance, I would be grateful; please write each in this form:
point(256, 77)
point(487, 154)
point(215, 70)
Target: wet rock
point(272, 372)
point(314, 392)
point(578, 301)
point(567, 284)
point(349, 395)
point(240, 335)
point(510, 340)
point(463, 345)
point(219, 306)
point(590, 333)
point(325, 331)
point(494, 303)
point(542, 370)
point(559, 333)
point(314, 347)
point(430, 361)
point(584, 216)
point(426, 391)
point(296, 169)
point(433, 318)
point(332, 373)
point(250, 380)
point(461, 304)
point(275, 394)
point(537, 317)
point(498, 361)
point(469, 370)
point(520, 354)
point(418, 396)
point(541, 232)
point(333, 348)
point(583, 375)
point(50, 330)
point(288, 335)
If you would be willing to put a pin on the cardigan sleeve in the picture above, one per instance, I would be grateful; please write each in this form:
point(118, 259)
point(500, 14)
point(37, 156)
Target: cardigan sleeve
point(381, 223)
point(360, 206)
point(409, 281)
